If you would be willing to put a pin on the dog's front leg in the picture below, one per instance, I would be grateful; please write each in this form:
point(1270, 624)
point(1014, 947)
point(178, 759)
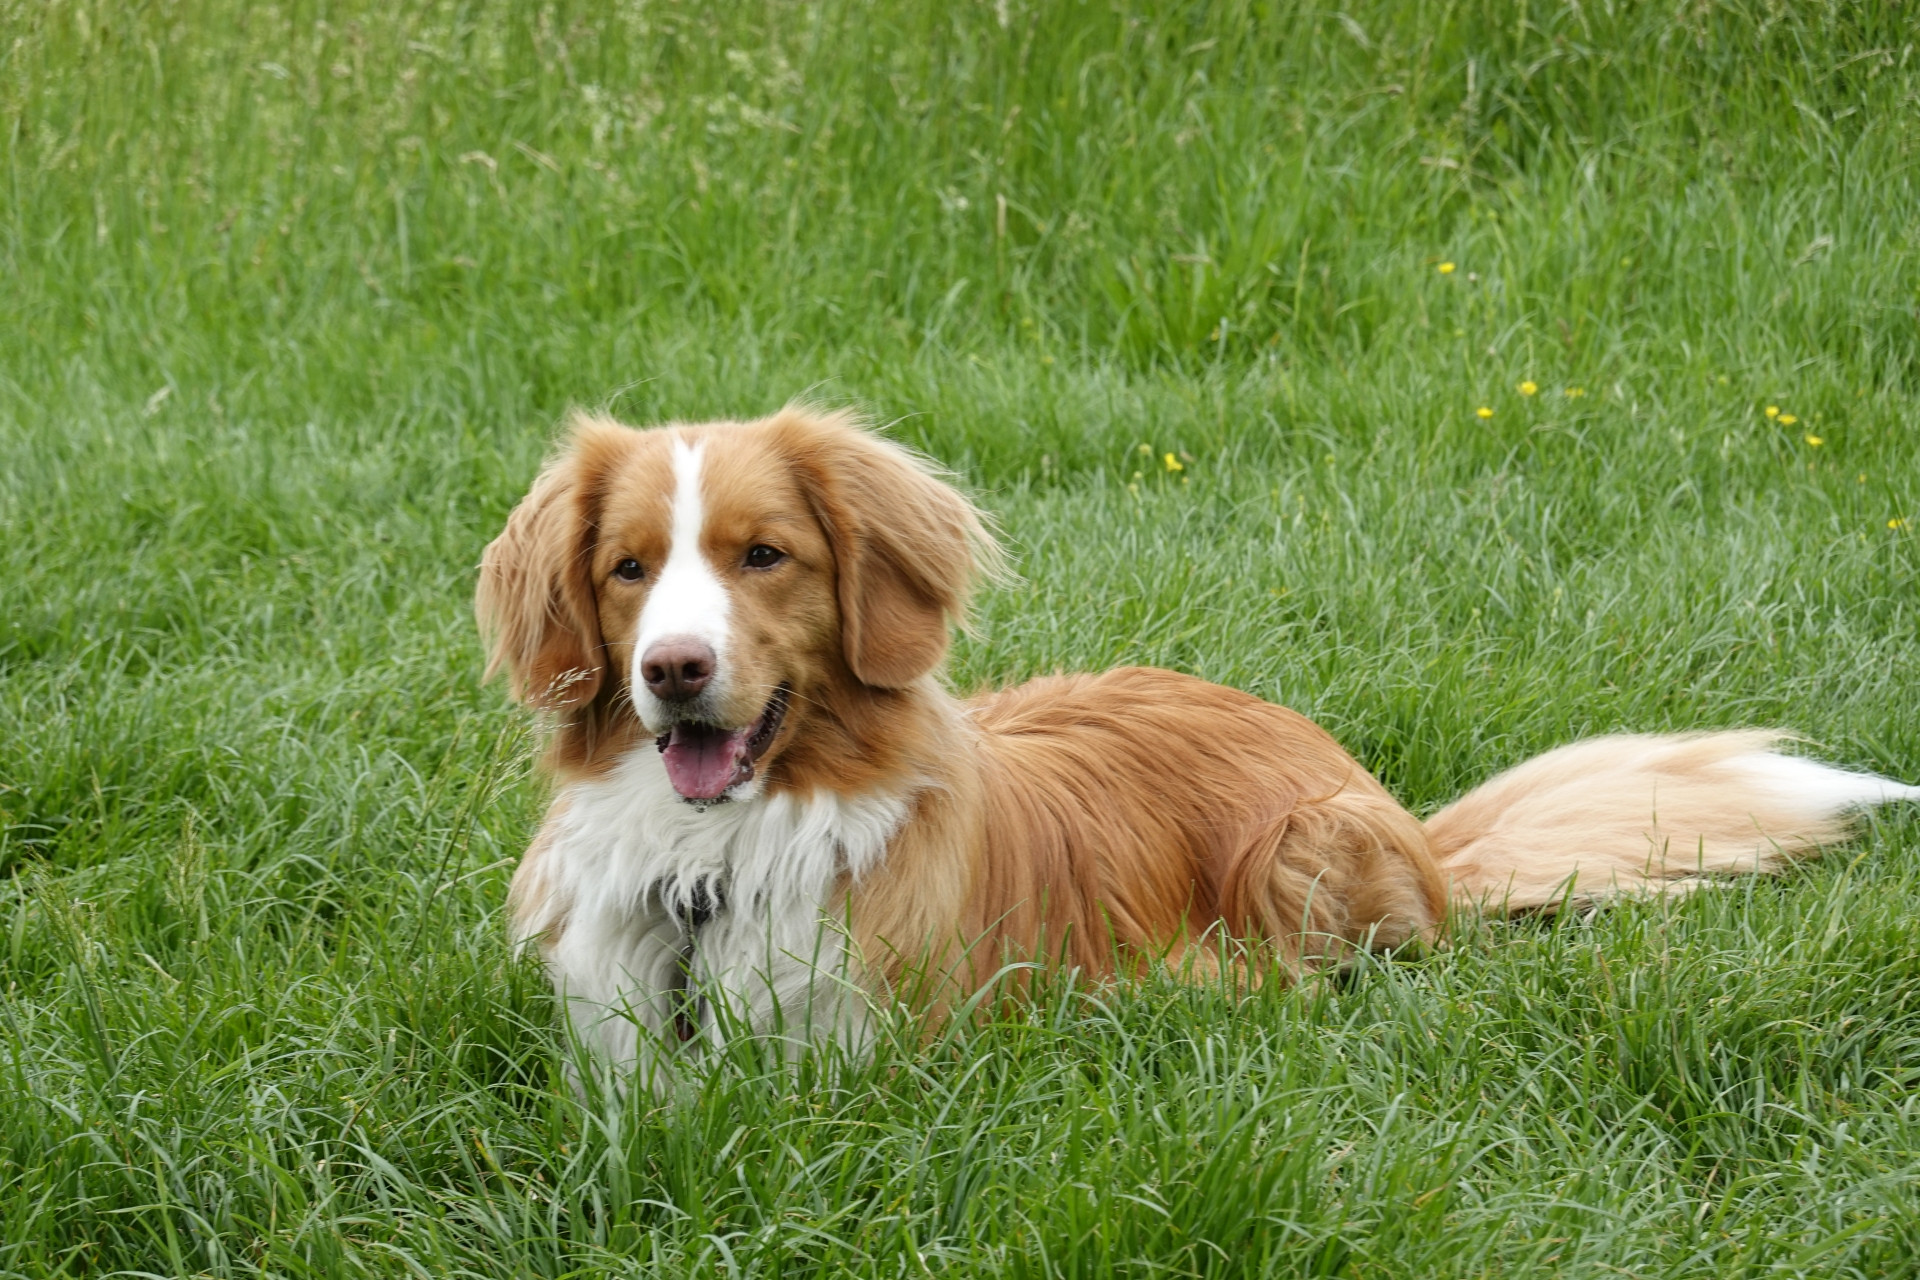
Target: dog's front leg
point(623, 978)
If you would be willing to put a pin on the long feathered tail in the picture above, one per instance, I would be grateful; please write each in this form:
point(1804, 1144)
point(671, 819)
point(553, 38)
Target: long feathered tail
point(1638, 813)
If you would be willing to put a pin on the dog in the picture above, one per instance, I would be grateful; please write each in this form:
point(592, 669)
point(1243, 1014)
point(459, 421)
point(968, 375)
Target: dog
point(767, 802)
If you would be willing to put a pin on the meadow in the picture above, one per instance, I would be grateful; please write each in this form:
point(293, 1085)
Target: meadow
point(1469, 375)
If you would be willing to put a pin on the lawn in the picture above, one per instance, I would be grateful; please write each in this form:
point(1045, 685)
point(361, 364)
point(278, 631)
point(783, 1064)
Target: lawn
point(1469, 375)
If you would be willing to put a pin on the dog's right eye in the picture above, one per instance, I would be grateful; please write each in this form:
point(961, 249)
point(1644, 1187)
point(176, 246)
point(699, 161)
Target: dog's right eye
point(629, 570)
point(763, 556)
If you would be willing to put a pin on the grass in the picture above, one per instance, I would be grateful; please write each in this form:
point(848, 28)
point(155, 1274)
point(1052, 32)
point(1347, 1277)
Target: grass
point(296, 294)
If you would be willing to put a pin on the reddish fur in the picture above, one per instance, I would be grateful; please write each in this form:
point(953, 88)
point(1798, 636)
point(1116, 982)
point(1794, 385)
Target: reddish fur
point(1081, 817)
point(1073, 816)
point(1143, 807)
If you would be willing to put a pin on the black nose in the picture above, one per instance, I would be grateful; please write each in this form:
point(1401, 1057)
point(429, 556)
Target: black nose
point(677, 668)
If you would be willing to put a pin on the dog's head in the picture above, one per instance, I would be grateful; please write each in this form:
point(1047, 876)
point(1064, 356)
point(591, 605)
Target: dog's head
point(731, 589)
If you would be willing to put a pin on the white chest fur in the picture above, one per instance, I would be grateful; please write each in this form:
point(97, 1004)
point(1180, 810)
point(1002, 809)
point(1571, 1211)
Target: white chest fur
point(628, 862)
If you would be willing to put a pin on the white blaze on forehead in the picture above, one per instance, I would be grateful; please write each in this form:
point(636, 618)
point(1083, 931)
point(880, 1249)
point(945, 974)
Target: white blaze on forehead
point(687, 598)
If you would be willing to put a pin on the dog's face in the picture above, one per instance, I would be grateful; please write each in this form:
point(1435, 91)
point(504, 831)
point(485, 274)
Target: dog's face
point(731, 586)
point(715, 586)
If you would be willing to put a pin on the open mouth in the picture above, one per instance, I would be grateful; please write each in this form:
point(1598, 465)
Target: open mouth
point(705, 761)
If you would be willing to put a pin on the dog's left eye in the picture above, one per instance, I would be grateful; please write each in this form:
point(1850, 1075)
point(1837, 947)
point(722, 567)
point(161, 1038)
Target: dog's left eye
point(629, 570)
point(763, 556)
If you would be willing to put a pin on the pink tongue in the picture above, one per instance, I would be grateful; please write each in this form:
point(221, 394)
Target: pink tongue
point(702, 761)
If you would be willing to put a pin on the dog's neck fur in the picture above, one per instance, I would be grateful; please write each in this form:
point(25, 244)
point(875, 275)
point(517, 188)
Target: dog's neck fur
point(644, 849)
point(626, 860)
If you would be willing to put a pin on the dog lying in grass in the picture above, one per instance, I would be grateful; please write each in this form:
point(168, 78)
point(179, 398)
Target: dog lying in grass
point(767, 800)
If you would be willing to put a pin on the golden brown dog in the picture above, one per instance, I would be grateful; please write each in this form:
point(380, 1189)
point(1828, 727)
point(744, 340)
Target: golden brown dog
point(767, 797)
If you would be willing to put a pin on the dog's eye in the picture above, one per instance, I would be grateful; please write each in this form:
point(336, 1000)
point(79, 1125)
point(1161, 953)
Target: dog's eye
point(629, 570)
point(763, 556)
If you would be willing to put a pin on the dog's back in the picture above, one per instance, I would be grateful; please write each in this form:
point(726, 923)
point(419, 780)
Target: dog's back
point(1142, 807)
point(1142, 810)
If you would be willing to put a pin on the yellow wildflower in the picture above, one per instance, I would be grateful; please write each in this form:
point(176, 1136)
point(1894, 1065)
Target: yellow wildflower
point(1173, 463)
point(1574, 393)
point(1773, 411)
point(1816, 441)
point(1484, 412)
point(1787, 419)
point(1528, 387)
point(1446, 268)
point(1146, 451)
point(1896, 523)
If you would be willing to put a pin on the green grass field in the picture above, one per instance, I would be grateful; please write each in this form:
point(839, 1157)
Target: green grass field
point(296, 294)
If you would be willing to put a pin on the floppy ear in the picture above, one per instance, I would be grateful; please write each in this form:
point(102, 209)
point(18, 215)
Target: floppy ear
point(535, 599)
point(906, 544)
